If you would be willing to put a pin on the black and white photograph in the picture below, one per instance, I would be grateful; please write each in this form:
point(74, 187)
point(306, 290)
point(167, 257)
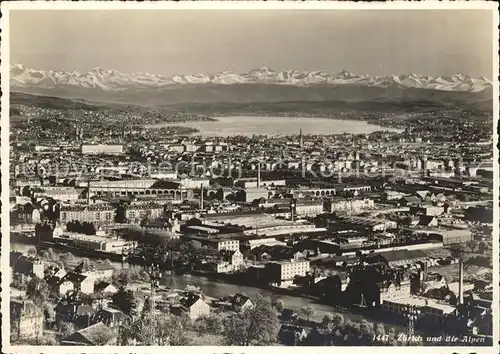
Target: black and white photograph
point(224, 175)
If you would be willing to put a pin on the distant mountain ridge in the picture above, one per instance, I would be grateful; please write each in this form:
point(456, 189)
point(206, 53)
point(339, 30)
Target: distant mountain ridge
point(116, 81)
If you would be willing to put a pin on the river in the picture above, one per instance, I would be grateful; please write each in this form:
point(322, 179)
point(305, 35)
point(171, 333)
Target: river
point(250, 125)
point(217, 288)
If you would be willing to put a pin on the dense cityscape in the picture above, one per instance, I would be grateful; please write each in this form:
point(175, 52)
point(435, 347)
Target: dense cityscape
point(380, 238)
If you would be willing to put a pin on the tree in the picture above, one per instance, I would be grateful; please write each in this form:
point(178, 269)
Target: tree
point(212, 324)
point(251, 256)
point(32, 252)
point(78, 227)
point(48, 312)
point(279, 305)
point(27, 191)
point(87, 228)
point(51, 255)
point(463, 197)
point(67, 257)
point(307, 311)
point(124, 300)
point(379, 329)
point(123, 277)
point(392, 337)
point(38, 290)
point(333, 331)
point(332, 325)
point(147, 306)
point(48, 339)
point(143, 330)
point(257, 325)
point(192, 245)
point(64, 329)
point(144, 222)
point(472, 245)
point(327, 319)
point(367, 332)
point(121, 212)
point(201, 324)
point(92, 229)
point(337, 319)
point(102, 336)
point(158, 329)
point(173, 329)
point(44, 254)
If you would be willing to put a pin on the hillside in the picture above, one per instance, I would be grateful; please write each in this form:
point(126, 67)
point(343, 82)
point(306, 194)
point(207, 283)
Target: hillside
point(251, 93)
point(258, 85)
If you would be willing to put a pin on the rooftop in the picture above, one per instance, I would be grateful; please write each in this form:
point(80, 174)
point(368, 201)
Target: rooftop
point(391, 256)
point(423, 302)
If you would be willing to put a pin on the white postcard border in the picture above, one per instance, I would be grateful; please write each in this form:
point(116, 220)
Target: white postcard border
point(227, 5)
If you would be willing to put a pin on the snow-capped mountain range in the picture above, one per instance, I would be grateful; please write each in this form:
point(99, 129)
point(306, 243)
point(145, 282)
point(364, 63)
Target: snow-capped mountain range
point(113, 80)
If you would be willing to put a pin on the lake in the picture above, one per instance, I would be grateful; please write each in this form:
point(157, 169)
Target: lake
point(250, 125)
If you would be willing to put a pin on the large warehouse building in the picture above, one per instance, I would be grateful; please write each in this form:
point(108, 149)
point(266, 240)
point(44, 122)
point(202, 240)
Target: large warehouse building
point(102, 149)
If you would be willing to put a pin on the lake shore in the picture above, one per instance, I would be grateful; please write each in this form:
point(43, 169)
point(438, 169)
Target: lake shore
point(225, 126)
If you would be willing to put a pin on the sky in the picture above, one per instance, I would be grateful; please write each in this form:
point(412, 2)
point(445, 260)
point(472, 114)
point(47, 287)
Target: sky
point(374, 42)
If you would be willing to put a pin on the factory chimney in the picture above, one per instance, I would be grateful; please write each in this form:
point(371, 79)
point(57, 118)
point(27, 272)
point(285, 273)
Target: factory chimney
point(88, 191)
point(461, 282)
point(201, 198)
point(292, 209)
point(258, 174)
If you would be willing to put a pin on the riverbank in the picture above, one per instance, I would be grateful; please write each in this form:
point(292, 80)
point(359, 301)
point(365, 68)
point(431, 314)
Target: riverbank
point(116, 257)
point(172, 128)
point(214, 288)
point(22, 239)
point(219, 289)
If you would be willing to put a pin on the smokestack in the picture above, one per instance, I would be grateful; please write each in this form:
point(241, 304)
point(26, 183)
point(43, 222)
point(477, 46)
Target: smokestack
point(201, 199)
point(258, 175)
point(88, 192)
point(461, 282)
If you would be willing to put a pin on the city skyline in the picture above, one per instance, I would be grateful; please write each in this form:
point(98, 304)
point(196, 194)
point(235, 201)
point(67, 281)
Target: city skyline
point(428, 39)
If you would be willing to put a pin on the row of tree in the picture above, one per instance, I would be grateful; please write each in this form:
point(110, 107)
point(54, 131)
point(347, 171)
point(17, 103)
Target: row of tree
point(257, 325)
point(81, 227)
point(123, 277)
point(334, 331)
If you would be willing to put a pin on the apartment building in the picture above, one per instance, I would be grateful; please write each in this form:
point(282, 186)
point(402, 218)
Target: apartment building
point(286, 271)
point(97, 214)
